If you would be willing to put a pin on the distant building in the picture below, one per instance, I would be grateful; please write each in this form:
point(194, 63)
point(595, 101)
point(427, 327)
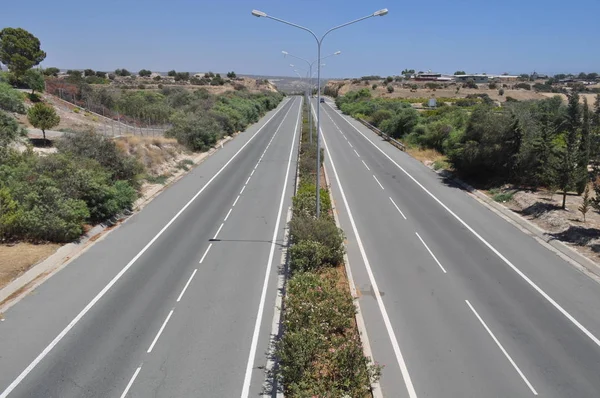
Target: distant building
point(475, 78)
point(536, 76)
point(432, 77)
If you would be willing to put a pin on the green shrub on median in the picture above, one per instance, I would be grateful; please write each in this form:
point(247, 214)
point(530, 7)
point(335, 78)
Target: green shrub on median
point(320, 353)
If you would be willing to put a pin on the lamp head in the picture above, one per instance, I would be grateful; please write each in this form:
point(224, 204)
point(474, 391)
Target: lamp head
point(379, 13)
point(284, 53)
point(337, 53)
point(259, 14)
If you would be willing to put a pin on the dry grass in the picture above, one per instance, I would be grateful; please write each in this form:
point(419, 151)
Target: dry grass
point(153, 152)
point(16, 259)
point(425, 155)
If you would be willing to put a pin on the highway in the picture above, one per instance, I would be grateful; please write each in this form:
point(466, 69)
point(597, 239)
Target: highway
point(179, 301)
point(457, 301)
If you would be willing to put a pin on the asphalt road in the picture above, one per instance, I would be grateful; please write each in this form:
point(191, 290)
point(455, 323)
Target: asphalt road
point(176, 302)
point(457, 301)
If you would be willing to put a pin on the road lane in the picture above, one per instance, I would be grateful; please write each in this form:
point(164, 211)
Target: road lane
point(98, 356)
point(438, 333)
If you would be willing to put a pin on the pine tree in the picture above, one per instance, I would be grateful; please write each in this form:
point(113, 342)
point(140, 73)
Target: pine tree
point(567, 167)
point(582, 177)
point(585, 202)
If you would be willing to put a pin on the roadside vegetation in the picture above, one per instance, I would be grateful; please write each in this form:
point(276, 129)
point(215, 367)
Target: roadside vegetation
point(534, 144)
point(88, 178)
point(320, 352)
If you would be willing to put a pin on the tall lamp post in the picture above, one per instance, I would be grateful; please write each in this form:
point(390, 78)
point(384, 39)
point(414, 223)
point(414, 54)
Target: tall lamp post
point(259, 14)
point(310, 77)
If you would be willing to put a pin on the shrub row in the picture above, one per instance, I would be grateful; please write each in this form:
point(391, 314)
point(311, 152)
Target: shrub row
point(320, 352)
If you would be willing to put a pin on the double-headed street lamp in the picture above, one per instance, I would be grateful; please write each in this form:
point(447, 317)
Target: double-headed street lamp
point(310, 76)
point(379, 13)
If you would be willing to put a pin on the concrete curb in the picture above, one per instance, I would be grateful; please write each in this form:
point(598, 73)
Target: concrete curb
point(39, 273)
point(569, 254)
point(360, 322)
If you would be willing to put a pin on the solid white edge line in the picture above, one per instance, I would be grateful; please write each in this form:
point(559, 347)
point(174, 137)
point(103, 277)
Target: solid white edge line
point(219, 230)
point(269, 375)
point(356, 153)
point(137, 371)
point(502, 349)
point(366, 165)
point(228, 213)
point(378, 181)
point(486, 243)
point(186, 285)
point(430, 252)
point(397, 208)
point(205, 253)
point(386, 319)
point(253, 345)
point(114, 280)
point(159, 332)
point(236, 200)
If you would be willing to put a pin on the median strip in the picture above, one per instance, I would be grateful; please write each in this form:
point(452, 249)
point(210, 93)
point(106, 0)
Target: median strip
point(320, 352)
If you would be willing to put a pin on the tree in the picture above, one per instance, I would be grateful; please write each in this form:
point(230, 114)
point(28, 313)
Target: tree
point(389, 79)
point(172, 73)
point(52, 71)
point(408, 71)
point(19, 50)
point(43, 117)
point(122, 72)
point(459, 72)
point(34, 79)
point(390, 88)
point(374, 86)
point(144, 73)
point(182, 76)
point(568, 164)
point(582, 177)
point(101, 74)
point(586, 201)
point(89, 72)
point(231, 75)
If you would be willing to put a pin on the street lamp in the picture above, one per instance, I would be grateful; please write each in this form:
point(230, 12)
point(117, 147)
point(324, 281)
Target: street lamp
point(259, 14)
point(310, 76)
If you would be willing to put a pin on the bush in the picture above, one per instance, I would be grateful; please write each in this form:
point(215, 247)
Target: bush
point(525, 86)
point(390, 88)
point(492, 86)
point(374, 86)
point(304, 200)
point(9, 130)
point(11, 100)
point(501, 92)
point(320, 354)
point(402, 123)
point(307, 256)
point(105, 152)
point(323, 231)
point(197, 132)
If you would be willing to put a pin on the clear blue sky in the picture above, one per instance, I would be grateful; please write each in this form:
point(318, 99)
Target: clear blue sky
point(514, 36)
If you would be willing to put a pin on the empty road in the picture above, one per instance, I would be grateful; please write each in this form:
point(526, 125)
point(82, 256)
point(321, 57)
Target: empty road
point(179, 300)
point(457, 301)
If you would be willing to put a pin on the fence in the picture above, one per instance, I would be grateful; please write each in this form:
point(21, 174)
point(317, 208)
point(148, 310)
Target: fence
point(110, 122)
point(385, 136)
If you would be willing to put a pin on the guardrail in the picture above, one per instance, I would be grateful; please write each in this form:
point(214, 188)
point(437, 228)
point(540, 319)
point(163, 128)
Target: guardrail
point(385, 136)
